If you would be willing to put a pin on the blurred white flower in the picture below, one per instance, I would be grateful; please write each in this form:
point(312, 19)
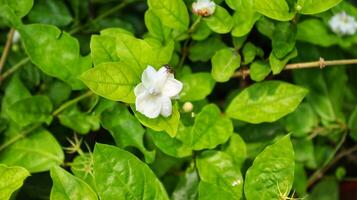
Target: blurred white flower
point(154, 93)
point(343, 24)
point(16, 38)
point(203, 8)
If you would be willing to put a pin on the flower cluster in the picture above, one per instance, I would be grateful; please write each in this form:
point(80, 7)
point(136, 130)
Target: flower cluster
point(154, 93)
point(343, 24)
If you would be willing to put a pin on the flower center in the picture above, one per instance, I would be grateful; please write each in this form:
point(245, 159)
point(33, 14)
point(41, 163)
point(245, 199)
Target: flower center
point(153, 90)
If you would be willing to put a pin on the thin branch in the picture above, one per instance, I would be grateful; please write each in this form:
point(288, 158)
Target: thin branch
point(14, 68)
point(71, 102)
point(5, 53)
point(321, 64)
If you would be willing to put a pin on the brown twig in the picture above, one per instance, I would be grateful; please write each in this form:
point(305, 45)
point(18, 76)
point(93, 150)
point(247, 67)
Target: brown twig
point(321, 64)
point(5, 53)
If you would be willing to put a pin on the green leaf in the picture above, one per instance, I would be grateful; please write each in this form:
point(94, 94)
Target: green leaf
point(31, 110)
point(316, 32)
point(259, 70)
point(310, 7)
point(218, 172)
point(172, 13)
point(221, 21)
point(244, 18)
point(120, 175)
point(8, 16)
point(177, 146)
point(125, 129)
point(224, 64)
point(277, 9)
point(156, 28)
point(55, 52)
point(266, 102)
point(37, 151)
point(249, 52)
point(19, 7)
point(82, 167)
point(196, 86)
point(210, 129)
point(50, 12)
point(186, 188)
point(78, 121)
point(201, 32)
point(352, 124)
point(114, 81)
point(11, 179)
point(204, 50)
point(68, 187)
point(277, 65)
point(272, 173)
point(319, 192)
point(283, 41)
point(300, 180)
point(236, 148)
point(168, 124)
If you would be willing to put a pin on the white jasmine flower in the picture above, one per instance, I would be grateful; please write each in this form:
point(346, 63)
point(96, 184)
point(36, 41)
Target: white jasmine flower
point(203, 8)
point(343, 24)
point(16, 38)
point(154, 93)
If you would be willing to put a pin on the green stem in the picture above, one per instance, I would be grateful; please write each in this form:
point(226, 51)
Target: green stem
point(71, 102)
point(19, 136)
point(14, 68)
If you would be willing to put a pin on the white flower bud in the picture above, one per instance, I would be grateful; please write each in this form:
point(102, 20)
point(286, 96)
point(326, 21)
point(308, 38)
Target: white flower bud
point(154, 93)
point(343, 24)
point(187, 107)
point(16, 38)
point(203, 8)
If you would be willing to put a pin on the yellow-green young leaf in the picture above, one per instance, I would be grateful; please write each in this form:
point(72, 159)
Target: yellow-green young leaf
point(244, 18)
point(283, 40)
point(236, 148)
point(138, 54)
point(37, 150)
point(55, 52)
point(172, 13)
point(196, 86)
point(114, 81)
point(277, 65)
point(177, 146)
point(221, 21)
point(156, 28)
point(224, 63)
point(168, 124)
point(210, 129)
point(125, 129)
point(272, 173)
point(266, 102)
point(68, 187)
point(31, 110)
point(310, 7)
point(11, 179)
point(259, 70)
point(19, 7)
point(201, 32)
point(277, 9)
point(219, 175)
point(121, 175)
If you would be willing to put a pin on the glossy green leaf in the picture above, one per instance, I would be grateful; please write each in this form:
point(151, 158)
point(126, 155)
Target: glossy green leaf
point(277, 65)
point(55, 52)
point(155, 26)
point(272, 173)
point(11, 179)
point(19, 7)
point(168, 124)
point(37, 151)
point(186, 188)
point(218, 172)
point(259, 70)
point(31, 110)
point(196, 86)
point(310, 7)
point(266, 102)
point(68, 187)
point(177, 146)
point(283, 40)
point(125, 129)
point(237, 149)
point(245, 16)
point(172, 13)
point(204, 50)
point(8, 16)
point(249, 52)
point(114, 81)
point(50, 12)
point(224, 64)
point(82, 167)
point(221, 21)
point(201, 32)
point(120, 175)
point(277, 9)
point(210, 129)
